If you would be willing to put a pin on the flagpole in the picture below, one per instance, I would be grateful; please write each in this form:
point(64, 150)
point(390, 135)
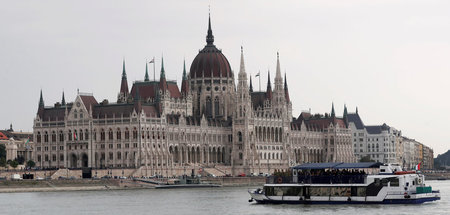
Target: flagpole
point(154, 76)
point(259, 80)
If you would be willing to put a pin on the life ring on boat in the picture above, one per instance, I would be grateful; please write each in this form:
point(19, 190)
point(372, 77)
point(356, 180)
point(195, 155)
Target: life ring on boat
point(420, 181)
point(279, 180)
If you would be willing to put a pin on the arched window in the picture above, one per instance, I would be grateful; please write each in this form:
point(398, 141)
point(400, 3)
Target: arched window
point(102, 134)
point(53, 136)
point(38, 136)
point(110, 134)
point(208, 106)
point(61, 136)
point(86, 135)
point(46, 137)
point(118, 134)
point(135, 133)
point(216, 106)
point(69, 135)
point(127, 134)
point(81, 135)
point(240, 136)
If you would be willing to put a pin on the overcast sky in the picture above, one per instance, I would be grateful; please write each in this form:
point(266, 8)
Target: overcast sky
point(391, 59)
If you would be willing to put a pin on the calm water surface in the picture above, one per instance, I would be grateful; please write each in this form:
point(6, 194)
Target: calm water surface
point(193, 201)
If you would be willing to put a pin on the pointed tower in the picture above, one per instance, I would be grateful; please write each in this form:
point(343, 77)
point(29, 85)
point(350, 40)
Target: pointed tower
point(162, 77)
point(63, 100)
point(356, 109)
point(184, 82)
point(345, 115)
point(41, 106)
point(241, 129)
point(286, 91)
point(146, 72)
point(209, 36)
point(333, 114)
point(278, 78)
point(269, 87)
point(123, 94)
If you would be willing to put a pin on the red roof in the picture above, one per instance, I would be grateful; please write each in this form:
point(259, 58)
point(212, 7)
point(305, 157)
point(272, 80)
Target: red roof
point(3, 136)
point(88, 101)
point(210, 62)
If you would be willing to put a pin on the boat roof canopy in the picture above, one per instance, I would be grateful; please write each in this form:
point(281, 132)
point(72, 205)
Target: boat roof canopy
point(340, 165)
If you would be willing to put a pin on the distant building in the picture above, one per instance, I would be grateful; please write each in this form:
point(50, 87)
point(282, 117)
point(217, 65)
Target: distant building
point(381, 143)
point(212, 122)
point(18, 144)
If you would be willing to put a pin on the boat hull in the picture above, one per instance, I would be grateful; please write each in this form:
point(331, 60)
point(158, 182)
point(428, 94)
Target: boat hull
point(416, 199)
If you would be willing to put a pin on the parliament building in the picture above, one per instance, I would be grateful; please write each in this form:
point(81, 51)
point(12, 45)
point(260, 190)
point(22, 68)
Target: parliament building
point(214, 122)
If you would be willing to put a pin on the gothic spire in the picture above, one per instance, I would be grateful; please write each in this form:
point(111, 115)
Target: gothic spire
point(162, 78)
point(41, 101)
point(146, 72)
point(278, 72)
point(63, 100)
point(242, 66)
point(333, 114)
point(184, 70)
point(345, 111)
point(184, 82)
point(209, 36)
point(286, 91)
point(124, 84)
point(356, 109)
point(269, 87)
point(124, 73)
point(163, 73)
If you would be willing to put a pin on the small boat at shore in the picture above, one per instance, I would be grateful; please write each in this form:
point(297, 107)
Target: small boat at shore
point(346, 183)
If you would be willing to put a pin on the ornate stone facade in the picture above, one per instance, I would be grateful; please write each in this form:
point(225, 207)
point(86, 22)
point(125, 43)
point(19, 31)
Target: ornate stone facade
point(211, 123)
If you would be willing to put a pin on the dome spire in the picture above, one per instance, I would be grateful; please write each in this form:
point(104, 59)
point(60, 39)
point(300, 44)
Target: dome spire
point(209, 36)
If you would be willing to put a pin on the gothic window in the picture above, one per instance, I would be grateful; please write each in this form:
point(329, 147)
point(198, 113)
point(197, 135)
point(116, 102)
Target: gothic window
point(61, 136)
point(240, 111)
point(216, 106)
point(208, 106)
point(39, 137)
point(81, 135)
point(127, 134)
point(135, 133)
point(110, 134)
point(118, 134)
point(102, 134)
point(94, 135)
point(69, 135)
point(53, 136)
point(240, 136)
point(46, 137)
point(86, 134)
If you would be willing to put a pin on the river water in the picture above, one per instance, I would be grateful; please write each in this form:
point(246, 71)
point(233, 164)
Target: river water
point(216, 201)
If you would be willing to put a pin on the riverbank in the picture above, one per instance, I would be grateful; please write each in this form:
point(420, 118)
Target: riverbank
point(9, 186)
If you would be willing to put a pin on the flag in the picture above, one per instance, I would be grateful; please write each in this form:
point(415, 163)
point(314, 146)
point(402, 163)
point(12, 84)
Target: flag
point(28, 140)
point(417, 167)
point(75, 136)
point(152, 61)
point(258, 74)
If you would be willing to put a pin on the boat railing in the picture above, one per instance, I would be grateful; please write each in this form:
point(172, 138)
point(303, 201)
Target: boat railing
point(321, 179)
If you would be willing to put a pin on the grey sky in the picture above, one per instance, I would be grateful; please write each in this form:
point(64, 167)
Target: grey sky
point(389, 58)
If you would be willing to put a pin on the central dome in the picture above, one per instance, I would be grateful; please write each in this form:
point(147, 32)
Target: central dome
point(210, 62)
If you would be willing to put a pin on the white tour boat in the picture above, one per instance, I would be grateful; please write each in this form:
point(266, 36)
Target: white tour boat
point(346, 183)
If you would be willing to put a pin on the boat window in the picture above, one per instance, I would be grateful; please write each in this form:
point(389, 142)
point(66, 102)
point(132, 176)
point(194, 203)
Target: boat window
point(319, 191)
point(394, 182)
point(340, 191)
point(268, 191)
